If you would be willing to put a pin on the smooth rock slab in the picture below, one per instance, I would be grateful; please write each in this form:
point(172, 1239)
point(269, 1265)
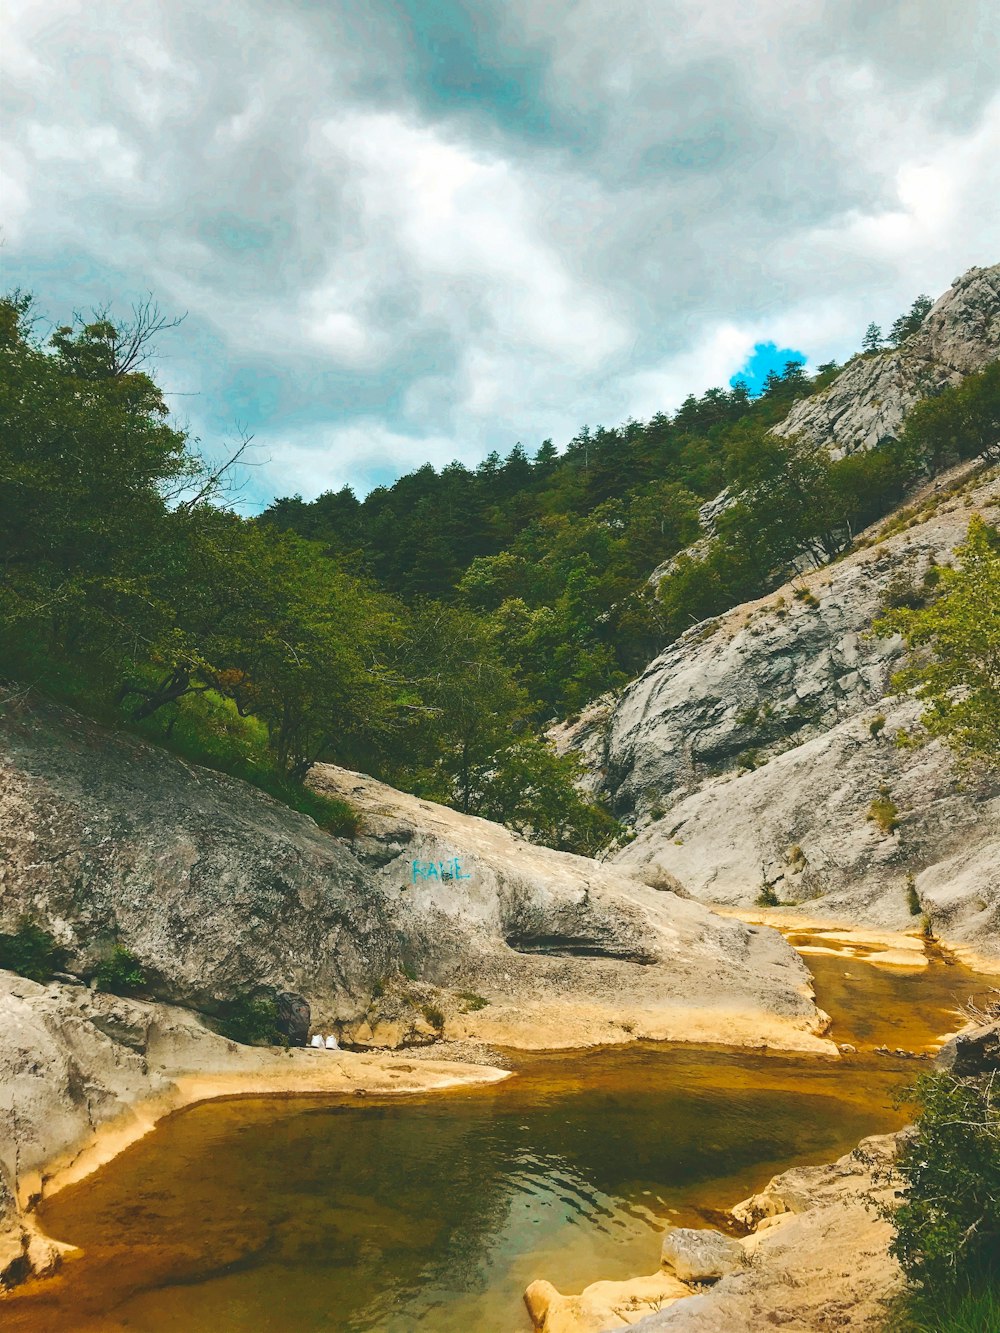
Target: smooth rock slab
point(701, 1255)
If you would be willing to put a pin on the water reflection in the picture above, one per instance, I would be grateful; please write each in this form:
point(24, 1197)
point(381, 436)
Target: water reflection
point(280, 1215)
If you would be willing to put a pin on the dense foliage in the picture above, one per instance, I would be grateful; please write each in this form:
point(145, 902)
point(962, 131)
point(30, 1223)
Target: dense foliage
point(129, 589)
point(947, 1214)
point(32, 952)
point(954, 642)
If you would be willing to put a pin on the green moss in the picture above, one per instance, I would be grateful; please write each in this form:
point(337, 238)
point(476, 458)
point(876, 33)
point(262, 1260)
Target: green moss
point(31, 952)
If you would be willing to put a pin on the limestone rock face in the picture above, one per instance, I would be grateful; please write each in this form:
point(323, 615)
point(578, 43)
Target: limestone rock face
point(751, 750)
point(960, 335)
point(219, 891)
point(566, 951)
point(215, 888)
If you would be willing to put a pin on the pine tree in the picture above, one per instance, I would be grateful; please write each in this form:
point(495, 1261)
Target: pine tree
point(873, 340)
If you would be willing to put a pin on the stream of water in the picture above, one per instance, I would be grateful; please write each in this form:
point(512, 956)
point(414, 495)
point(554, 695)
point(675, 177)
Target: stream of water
point(295, 1215)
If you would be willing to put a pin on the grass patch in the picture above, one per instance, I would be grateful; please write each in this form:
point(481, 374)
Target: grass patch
point(974, 1309)
point(471, 1002)
point(884, 812)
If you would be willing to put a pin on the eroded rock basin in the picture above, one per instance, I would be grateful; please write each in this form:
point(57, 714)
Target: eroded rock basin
point(266, 1214)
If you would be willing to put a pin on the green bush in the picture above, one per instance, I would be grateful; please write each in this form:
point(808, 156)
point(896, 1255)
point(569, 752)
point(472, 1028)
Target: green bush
point(947, 1222)
point(251, 1020)
point(912, 896)
point(471, 1002)
point(121, 974)
point(31, 952)
point(767, 897)
point(434, 1016)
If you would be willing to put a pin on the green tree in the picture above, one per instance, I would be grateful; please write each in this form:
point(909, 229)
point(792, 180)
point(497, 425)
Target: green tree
point(873, 340)
point(908, 324)
point(948, 1219)
point(954, 643)
point(961, 422)
point(530, 788)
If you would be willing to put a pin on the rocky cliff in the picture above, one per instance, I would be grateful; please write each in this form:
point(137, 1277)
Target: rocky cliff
point(870, 399)
point(750, 751)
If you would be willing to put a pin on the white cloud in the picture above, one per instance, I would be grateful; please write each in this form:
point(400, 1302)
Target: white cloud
point(422, 276)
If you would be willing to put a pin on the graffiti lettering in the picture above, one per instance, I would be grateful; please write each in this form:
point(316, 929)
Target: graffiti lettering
point(445, 871)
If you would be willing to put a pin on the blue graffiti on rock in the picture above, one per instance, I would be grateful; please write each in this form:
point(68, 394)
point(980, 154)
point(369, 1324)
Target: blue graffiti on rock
point(444, 871)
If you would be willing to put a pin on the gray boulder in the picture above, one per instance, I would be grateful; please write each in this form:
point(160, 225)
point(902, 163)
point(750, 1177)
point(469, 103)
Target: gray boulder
point(976, 1051)
point(701, 1255)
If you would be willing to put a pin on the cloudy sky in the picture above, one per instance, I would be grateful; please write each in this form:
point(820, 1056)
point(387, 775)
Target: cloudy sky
point(412, 230)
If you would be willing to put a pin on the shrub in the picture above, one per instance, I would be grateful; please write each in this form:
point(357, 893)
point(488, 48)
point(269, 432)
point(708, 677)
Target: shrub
point(252, 1021)
point(912, 896)
point(434, 1016)
point(749, 760)
point(32, 952)
point(121, 974)
point(876, 725)
point(948, 1221)
point(883, 811)
point(471, 1002)
point(767, 896)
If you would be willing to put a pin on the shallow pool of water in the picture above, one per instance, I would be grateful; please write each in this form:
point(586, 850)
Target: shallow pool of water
point(271, 1215)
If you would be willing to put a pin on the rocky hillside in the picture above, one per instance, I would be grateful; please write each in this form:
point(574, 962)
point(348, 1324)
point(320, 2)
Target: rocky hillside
point(220, 892)
point(869, 400)
point(750, 751)
point(960, 335)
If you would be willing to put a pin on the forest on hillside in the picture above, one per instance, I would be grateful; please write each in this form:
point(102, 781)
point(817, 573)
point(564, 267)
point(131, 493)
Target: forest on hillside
point(428, 633)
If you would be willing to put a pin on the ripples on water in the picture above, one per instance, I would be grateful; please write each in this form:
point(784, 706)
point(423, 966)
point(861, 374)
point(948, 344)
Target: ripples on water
point(298, 1215)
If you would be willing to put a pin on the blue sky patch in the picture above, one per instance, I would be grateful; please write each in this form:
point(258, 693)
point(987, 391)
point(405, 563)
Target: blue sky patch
point(766, 357)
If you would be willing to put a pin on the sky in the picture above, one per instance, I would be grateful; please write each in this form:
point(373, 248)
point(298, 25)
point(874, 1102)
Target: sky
point(418, 230)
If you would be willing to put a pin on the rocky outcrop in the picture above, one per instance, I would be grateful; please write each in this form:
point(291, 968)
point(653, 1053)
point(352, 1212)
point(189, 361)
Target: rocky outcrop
point(219, 892)
point(816, 1257)
point(700, 1255)
point(871, 398)
point(750, 752)
point(972, 1052)
point(565, 951)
